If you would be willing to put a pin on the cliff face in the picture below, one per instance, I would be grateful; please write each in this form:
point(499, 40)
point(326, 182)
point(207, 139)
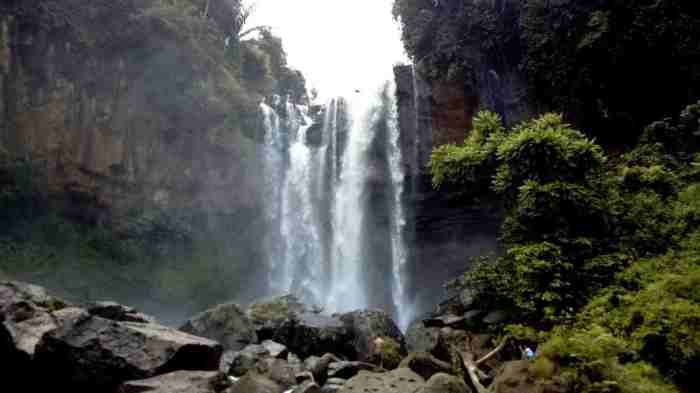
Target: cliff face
point(610, 67)
point(445, 231)
point(126, 106)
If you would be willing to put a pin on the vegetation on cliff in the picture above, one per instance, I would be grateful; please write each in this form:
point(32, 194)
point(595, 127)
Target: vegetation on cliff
point(605, 64)
point(600, 253)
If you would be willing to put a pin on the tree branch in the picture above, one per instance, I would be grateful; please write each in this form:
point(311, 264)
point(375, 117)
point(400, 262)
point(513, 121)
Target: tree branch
point(491, 354)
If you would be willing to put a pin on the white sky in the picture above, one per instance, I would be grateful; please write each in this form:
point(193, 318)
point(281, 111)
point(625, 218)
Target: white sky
point(339, 45)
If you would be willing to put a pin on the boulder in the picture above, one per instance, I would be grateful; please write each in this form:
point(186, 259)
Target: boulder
point(225, 323)
point(347, 370)
point(90, 352)
point(313, 334)
point(179, 382)
point(515, 377)
point(318, 366)
point(246, 360)
point(25, 316)
point(270, 314)
point(366, 326)
point(445, 383)
point(305, 332)
point(118, 312)
point(420, 338)
point(401, 380)
point(307, 387)
point(278, 371)
point(255, 383)
point(425, 364)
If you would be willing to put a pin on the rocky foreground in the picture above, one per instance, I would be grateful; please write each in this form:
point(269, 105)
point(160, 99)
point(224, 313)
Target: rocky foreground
point(277, 345)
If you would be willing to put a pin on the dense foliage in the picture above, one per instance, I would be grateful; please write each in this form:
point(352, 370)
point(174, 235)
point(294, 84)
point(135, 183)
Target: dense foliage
point(605, 64)
point(600, 253)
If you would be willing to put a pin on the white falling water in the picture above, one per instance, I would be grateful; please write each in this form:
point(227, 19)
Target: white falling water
point(273, 170)
point(398, 242)
point(322, 189)
point(303, 254)
point(347, 290)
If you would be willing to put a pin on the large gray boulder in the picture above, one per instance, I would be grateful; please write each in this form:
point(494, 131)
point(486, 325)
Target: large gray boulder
point(179, 382)
point(445, 383)
point(401, 380)
point(246, 359)
point(225, 323)
point(304, 332)
point(90, 352)
point(366, 326)
point(25, 316)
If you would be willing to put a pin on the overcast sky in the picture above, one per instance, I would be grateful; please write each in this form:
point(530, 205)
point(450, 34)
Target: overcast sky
point(339, 45)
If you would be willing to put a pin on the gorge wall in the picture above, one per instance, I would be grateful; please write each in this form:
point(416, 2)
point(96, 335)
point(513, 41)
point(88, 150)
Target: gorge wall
point(446, 229)
point(139, 111)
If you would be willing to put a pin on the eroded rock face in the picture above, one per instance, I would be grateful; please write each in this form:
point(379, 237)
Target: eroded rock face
point(86, 351)
point(179, 382)
point(401, 380)
point(226, 323)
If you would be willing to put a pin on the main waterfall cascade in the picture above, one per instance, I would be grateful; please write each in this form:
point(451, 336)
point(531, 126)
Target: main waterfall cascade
point(335, 207)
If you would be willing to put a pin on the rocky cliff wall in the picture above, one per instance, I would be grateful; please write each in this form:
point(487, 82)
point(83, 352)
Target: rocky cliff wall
point(126, 106)
point(444, 231)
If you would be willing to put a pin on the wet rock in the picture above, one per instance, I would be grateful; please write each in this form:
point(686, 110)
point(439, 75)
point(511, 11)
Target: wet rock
point(420, 338)
point(347, 370)
point(255, 383)
point(89, 352)
point(118, 312)
point(307, 387)
point(444, 383)
point(401, 380)
point(425, 364)
point(276, 350)
point(179, 382)
point(245, 360)
point(225, 323)
point(368, 325)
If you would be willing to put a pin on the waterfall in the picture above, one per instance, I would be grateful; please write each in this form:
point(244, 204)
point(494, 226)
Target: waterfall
point(326, 203)
point(398, 242)
point(303, 252)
